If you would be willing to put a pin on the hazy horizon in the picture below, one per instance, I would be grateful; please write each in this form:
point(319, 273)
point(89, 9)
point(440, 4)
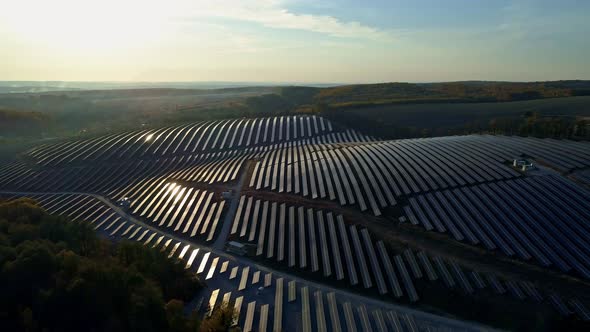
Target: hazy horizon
point(56, 85)
point(294, 41)
point(282, 82)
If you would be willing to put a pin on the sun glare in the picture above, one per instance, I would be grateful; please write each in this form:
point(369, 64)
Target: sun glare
point(106, 25)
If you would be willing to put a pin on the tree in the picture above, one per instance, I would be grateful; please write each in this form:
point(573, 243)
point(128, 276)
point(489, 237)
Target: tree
point(220, 321)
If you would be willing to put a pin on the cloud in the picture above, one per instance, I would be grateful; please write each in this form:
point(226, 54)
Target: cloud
point(127, 24)
point(274, 14)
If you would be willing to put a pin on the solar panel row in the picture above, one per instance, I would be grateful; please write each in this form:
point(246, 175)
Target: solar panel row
point(200, 136)
point(539, 217)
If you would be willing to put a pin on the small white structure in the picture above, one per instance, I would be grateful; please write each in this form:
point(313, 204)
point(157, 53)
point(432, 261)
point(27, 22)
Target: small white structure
point(124, 202)
point(236, 248)
point(523, 164)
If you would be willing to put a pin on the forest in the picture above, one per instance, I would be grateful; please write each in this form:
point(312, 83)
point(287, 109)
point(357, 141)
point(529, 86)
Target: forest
point(58, 275)
point(452, 92)
point(392, 110)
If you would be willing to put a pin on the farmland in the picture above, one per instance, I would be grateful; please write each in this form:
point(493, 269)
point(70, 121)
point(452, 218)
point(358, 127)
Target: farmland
point(342, 230)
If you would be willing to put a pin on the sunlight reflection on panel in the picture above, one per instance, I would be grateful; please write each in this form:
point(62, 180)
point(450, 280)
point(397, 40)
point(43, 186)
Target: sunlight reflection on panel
point(174, 188)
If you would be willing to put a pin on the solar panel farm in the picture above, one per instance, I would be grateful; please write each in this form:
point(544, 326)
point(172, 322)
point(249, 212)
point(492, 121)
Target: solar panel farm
point(302, 224)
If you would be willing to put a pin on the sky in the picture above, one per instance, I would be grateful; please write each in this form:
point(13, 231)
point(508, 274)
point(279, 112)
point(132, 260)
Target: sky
point(299, 41)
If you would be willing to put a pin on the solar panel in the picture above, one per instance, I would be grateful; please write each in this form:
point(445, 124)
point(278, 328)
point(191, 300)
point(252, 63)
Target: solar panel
point(463, 281)
point(238, 215)
point(349, 317)
point(305, 310)
point(272, 231)
point(278, 306)
point(281, 240)
point(406, 279)
point(319, 310)
point(249, 316)
point(411, 259)
point(496, 284)
point(333, 310)
point(444, 272)
point(261, 234)
point(394, 322)
point(244, 278)
point(364, 318)
point(360, 257)
point(379, 321)
point(347, 252)
point(477, 280)
point(374, 263)
point(558, 304)
point(335, 246)
point(324, 245)
point(430, 273)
